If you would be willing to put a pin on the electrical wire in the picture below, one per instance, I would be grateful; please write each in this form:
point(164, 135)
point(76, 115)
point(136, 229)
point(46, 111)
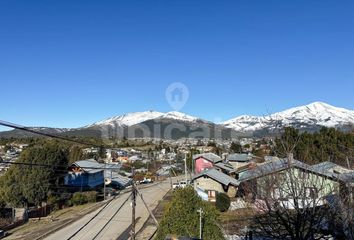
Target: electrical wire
point(28, 129)
point(113, 216)
point(75, 233)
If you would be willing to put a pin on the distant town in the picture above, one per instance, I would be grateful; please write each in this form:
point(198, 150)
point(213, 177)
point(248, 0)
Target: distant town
point(250, 184)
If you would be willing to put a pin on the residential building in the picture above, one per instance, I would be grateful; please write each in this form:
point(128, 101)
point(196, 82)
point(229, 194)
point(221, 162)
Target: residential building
point(205, 161)
point(282, 179)
point(238, 160)
point(85, 174)
point(212, 181)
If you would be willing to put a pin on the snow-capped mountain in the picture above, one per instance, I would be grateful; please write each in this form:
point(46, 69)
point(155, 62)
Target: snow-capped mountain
point(308, 117)
point(130, 119)
point(173, 125)
point(150, 124)
point(179, 116)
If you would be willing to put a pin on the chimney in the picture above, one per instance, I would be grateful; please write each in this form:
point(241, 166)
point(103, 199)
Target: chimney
point(290, 158)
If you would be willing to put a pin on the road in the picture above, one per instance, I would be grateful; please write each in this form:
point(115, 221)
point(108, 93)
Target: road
point(120, 222)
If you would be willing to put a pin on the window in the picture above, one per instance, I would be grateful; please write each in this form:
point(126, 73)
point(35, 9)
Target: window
point(211, 194)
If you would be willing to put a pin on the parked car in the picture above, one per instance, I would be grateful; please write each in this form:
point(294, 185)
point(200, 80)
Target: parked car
point(146, 180)
point(111, 191)
point(181, 184)
point(3, 233)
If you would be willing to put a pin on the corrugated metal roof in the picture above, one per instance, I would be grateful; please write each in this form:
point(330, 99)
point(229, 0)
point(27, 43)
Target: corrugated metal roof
point(335, 171)
point(89, 165)
point(218, 176)
point(116, 177)
point(323, 166)
point(347, 177)
point(225, 166)
point(212, 157)
point(324, 169)
point(270, 167)
point(239, 157)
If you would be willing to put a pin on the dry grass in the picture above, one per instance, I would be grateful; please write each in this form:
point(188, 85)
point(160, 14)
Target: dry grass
point(37, 227)
point(234, 221)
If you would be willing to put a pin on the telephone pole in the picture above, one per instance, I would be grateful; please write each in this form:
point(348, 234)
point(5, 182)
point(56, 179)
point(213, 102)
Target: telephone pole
point(133, 206)
point(185, 167)
point(104, 181)
point(170, 173)
point(200, 211)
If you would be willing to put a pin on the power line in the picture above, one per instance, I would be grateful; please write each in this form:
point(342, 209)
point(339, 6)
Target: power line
point(51, 166)
point(109, 220)
point(75, 233)
point(28, 129)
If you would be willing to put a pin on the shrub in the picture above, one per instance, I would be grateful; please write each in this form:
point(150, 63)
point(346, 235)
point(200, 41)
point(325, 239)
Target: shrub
point(222, 202)
point(181, 217)
point(79, 198)
point(91, 196)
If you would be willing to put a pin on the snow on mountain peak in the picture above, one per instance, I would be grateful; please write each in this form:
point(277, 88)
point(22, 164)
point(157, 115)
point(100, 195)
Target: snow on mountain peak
point(316, 113)
point(129, 119)
point(313, 114)
point(180, 116)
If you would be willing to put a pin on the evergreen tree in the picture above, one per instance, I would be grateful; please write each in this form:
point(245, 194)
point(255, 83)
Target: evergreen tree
point(33, 184)
point(181, 217)
point(328, 144)
point(235, 148)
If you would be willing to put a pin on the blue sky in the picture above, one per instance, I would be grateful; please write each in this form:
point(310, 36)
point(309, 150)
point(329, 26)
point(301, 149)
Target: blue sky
point(70, 63)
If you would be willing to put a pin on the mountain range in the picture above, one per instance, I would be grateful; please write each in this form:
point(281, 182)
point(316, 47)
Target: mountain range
point(174, 125)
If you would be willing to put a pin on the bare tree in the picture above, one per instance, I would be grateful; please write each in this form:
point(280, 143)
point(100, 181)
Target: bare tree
point(291, 201)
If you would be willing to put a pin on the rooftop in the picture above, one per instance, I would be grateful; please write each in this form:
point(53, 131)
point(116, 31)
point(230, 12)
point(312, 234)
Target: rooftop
point(212, 157)
point(239, 157)
point(89, 165)
point(225, 166)
point(218, 176)
point(327, 169)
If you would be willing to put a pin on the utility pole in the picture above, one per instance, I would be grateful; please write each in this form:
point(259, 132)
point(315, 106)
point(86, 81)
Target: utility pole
point(146, 206)
point(133, 205)
point(170, 172)
point(185, 167)
point(191, 153)
point(104, 181)
point(200, 211)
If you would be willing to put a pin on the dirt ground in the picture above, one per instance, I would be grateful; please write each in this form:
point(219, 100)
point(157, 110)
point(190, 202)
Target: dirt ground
point(37, 228)
point(149, 227)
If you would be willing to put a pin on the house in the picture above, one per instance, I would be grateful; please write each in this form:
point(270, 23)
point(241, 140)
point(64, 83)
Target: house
point(85, 174)
point(287, 180)
point(90, 150)
point(212, 181)
point(115, 180)
point(121, 159)
point(134, 158)
point(205, 161)
point(226, 168)
point(238, 159)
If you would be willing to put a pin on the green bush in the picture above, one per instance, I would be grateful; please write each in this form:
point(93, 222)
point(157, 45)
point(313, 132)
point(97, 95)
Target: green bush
point(181, 217)
point(91, 196)
point(222, 202)
point(79, 198)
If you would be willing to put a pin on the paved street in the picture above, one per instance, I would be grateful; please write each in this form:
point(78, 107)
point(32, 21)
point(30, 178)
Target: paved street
point(152, 194)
